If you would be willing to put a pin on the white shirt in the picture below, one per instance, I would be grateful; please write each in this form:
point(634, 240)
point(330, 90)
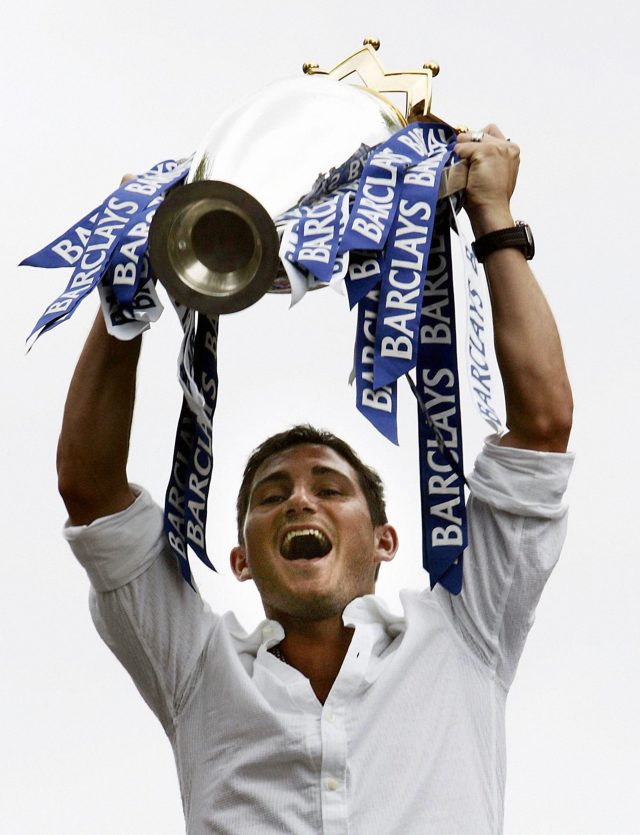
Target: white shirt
point(410, 740)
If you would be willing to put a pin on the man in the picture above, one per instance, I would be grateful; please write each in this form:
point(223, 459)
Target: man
point(335, 716)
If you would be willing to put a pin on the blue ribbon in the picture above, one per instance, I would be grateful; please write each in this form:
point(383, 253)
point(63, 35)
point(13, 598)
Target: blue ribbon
point(119, 312)
point(444, 529)
point(67, 249)
point(174, 501)
point(407, 257)
point(347, 173)
point(378, 404)
point(318, 233)
point(185, 511)
point(117, 215)
point(126, 267)
point(404, 308)
point(201, 460)
point(377, 199)
point(110, 246)
point(363, 275)
point(372, 221)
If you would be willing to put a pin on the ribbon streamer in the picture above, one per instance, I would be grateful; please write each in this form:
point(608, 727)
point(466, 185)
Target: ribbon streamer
point(480, 373)
point(444, 521)
point(117, 215)
point(367, 225)
point(185, 514)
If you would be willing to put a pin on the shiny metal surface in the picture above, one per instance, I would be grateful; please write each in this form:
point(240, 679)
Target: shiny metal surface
point(213, 241)
point(274, 143)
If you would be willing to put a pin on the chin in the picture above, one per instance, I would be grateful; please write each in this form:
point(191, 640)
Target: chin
point(311, 607)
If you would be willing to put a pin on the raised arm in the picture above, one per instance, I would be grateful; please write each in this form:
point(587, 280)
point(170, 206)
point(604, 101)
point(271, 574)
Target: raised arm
point(537, 391)
point(94, 441)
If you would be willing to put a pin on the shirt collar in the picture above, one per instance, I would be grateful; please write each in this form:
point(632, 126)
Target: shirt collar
point(268, 632)
point(372, 610)
point(360, 611)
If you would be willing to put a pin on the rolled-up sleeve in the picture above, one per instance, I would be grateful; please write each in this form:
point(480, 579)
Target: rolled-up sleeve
point(517, 523)
point(156, 625)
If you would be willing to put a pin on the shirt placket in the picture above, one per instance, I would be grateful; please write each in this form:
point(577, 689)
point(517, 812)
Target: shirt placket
point(333, 774)
point(333, 727)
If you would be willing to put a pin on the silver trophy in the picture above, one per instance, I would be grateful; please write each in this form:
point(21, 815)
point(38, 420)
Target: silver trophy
point(214, 242)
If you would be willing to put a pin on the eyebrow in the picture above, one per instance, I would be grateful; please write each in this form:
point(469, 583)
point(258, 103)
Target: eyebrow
point(280, 476)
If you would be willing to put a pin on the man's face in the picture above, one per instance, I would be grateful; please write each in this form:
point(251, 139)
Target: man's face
point(309, 543)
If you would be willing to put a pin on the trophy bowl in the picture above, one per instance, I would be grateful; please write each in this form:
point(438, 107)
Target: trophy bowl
point(214, 241)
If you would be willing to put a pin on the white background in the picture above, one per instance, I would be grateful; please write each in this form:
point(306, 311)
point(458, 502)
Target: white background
point(96, 90)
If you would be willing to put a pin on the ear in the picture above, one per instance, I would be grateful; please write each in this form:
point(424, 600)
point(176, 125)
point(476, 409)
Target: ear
point(239, 564)
point(386, 542)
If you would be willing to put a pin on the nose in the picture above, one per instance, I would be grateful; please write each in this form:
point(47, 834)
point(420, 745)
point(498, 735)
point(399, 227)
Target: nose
point(301, 500)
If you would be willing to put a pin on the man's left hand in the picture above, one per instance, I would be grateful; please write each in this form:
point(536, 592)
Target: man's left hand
point(493, 170)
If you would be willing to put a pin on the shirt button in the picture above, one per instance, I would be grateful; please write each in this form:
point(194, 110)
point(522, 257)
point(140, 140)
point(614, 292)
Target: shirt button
point(329, 715)
point(332, 784)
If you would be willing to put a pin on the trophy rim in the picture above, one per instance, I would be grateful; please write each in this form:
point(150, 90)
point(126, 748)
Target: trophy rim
point(213, 194)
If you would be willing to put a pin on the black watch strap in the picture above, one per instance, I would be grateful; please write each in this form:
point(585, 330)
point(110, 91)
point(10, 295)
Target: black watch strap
point(515, 237)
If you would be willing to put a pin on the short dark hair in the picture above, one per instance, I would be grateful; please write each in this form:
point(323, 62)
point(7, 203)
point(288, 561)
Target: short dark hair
point(370, 482)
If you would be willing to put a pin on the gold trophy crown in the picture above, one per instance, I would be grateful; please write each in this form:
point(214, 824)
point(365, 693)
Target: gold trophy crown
point(214, 242)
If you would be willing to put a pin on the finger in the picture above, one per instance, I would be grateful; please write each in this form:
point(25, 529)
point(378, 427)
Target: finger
point(466, 147)
point(489, 148)
point(494, 130)
point(126, 178)
point(468, 143)
point(468, 136)
point(465, 136)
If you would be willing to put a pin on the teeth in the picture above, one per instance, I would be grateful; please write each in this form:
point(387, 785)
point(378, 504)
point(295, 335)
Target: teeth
point(304, 532)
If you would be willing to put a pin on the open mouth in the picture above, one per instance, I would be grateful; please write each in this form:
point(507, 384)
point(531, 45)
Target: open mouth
point(305, 544)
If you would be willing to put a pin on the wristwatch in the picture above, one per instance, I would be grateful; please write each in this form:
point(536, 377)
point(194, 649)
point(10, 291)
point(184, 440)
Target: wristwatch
point(515, 237)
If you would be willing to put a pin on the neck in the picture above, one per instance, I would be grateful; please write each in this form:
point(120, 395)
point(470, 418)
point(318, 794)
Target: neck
point(316, 648)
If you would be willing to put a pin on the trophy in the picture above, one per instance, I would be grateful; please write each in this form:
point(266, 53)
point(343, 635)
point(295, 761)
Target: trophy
point(214, 242)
